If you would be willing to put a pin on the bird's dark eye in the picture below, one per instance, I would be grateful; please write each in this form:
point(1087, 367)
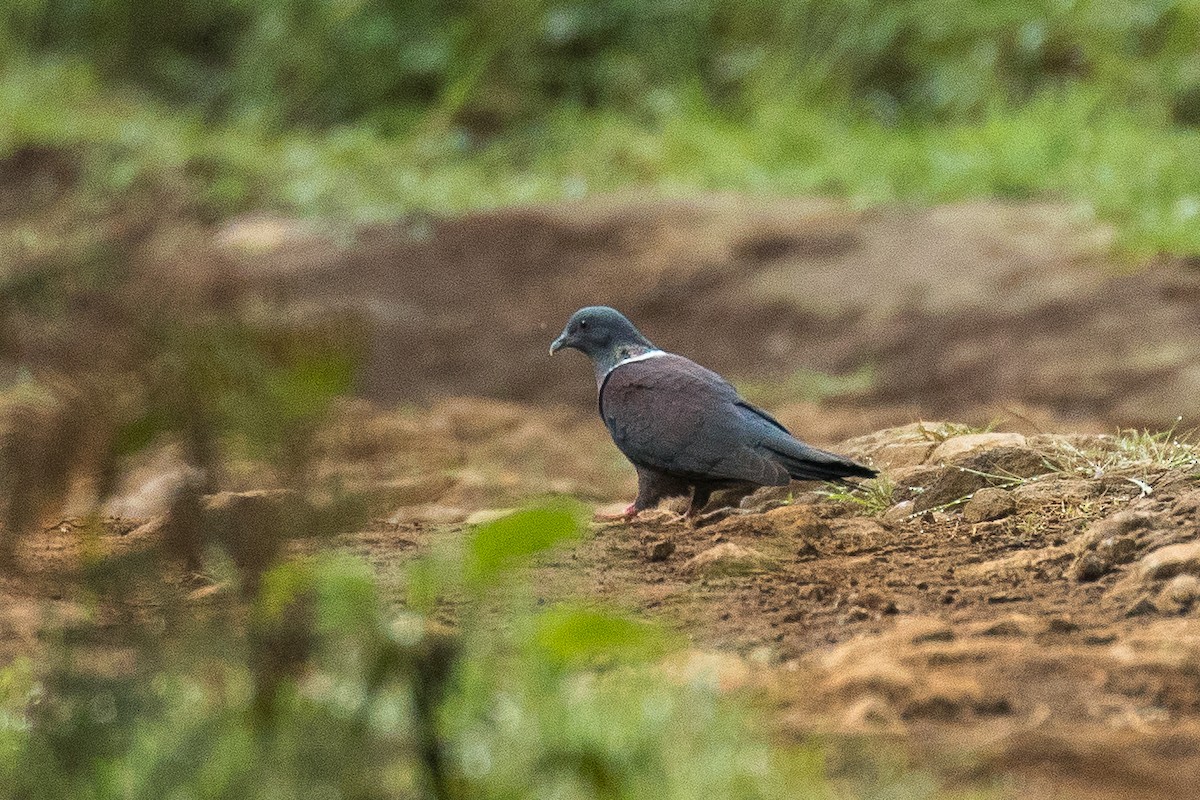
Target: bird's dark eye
point(583, 323)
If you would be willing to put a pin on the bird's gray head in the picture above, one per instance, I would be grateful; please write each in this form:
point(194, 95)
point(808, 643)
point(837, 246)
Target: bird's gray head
point(603, 335)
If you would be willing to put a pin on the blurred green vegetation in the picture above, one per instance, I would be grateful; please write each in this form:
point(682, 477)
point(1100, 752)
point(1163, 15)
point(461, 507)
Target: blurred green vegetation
point(366, 110)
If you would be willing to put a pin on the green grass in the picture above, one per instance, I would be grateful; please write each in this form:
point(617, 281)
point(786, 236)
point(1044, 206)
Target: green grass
point(1134, 454)
point(871, 498)
point(1133, 171)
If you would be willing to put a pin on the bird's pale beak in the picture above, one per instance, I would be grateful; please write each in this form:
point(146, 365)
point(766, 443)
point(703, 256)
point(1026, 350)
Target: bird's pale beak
point(559, 343)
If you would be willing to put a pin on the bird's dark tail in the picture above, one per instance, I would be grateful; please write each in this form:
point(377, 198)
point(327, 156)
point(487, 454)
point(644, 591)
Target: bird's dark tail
point(805, 463)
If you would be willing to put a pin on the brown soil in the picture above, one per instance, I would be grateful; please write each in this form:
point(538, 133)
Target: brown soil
point(978, 648)
point(1040, 649)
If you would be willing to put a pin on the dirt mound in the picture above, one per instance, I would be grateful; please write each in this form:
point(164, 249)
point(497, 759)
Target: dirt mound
point(964, 310)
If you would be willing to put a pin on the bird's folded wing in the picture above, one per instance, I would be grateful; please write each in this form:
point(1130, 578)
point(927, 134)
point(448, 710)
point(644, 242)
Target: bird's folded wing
point(673, 415)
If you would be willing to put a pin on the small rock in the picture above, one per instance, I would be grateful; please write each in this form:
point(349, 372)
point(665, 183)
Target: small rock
point(989, 503)
point(1090, 567)
point(1117, 549)
point(1172, 560)
point(1141, 608)
point(1180, 593)
point(1061, 625)
point(912, 481)
point(958, 445)
point(154, 496)
point(205, 592)
point(972, 472)
point(727, 559)
point(902, 454)
point(1014, 625)
point(660, 550)
point(856, 614)
point(611, 510)
point(899, 512)
point(895, 447)
point(259, 233)
point(1007, 597)
point(934, 635)
point(429, 514)
point(952, 485)
point(870, 713)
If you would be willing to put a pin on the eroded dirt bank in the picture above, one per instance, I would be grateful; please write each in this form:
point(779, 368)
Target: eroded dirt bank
point(961, 311)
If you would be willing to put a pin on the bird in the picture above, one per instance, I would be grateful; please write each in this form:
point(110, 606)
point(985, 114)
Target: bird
point(686, 430)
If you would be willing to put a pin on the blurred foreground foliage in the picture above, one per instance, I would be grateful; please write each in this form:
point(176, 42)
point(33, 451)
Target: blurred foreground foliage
point(369, 110)
point(315, 689)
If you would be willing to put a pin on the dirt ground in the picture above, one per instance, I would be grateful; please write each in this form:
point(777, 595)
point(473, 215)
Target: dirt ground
point(1013, 608)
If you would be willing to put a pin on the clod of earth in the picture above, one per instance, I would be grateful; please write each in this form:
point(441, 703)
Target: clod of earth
point(988, 504)
point(978, 468)
point(1091, 566)
point(957, 446)
point(1179, 593)
point(727, 559)
point(1172, 560)
point(660, 550)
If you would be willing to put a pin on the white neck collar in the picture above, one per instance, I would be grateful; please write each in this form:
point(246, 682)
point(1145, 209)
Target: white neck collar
point(640, 357)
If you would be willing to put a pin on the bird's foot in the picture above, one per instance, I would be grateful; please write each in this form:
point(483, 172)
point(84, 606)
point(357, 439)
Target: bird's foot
point(628, 515)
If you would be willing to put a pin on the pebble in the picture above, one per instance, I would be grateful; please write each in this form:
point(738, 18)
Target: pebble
point(899, 512)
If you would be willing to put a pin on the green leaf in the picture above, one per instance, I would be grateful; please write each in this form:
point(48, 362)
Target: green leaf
point(139, 433)
point(305, 386)
point(346, 598)
point(570, 635)
point(282, 586)
point(506, 542)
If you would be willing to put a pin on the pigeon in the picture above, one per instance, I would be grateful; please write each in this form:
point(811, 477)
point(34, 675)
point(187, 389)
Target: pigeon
point(686, 429)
